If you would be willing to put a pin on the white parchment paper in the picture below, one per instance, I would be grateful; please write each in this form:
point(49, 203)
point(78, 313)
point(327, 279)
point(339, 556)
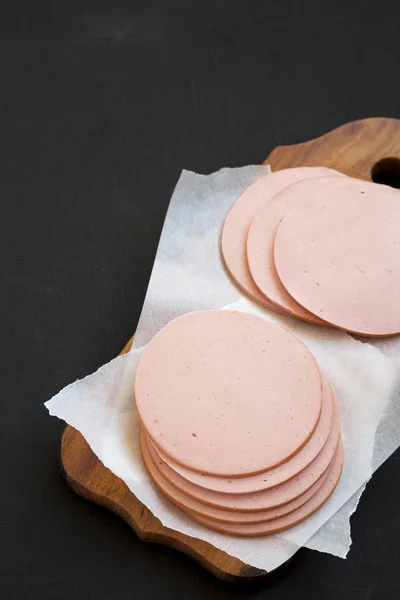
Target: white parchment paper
point(188, 275)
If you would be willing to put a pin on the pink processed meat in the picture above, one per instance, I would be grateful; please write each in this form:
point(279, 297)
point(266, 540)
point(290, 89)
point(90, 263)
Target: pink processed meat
point(276, 476)
point(265, 499)
point(261, 238)
point(228, 393)
point(338, 254)
point(237, 223)
point(191, 504)
point(290, 520)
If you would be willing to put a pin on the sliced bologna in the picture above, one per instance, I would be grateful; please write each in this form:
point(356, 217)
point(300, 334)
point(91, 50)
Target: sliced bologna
point(190, 504)
point(293, 518)
point(338, 254)
point(234, 233)
point(266, 499)
point(228, 393)
point(276, 476)
point(261, 237)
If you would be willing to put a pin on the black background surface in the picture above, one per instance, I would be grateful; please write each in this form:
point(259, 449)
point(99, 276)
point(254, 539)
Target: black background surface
point(101, 106)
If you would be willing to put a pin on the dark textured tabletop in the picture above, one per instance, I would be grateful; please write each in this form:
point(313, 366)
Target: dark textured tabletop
point(101, 106)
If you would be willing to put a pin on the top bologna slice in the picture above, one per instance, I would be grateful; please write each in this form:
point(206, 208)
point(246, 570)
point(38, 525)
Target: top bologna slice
point(338, 254)
point(228, 393)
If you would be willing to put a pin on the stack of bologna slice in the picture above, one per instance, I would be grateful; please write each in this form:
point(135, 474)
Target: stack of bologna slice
point(312, 243)
point(239, 426)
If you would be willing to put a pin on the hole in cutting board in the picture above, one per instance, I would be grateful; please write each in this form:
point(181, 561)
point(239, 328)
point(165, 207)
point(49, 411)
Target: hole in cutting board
point(387, 171)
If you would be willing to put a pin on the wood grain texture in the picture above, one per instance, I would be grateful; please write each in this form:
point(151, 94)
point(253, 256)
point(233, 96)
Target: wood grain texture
point(353, 149)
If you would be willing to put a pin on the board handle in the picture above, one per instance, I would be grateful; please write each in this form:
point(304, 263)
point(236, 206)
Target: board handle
point(368, 149)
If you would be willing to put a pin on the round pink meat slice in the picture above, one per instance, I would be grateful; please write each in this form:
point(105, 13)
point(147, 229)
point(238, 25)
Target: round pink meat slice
point(266, 499)
point(187, 503)
point(228, 393)
point(273, 477)
point(261, 237)
point(338, 254)
point(290, 520)
point(234, 233)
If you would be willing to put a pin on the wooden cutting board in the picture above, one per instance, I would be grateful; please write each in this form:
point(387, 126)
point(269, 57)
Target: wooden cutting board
point(368, 149)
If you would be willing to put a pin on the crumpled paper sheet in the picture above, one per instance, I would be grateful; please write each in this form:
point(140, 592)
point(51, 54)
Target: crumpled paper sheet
point(188, 275)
